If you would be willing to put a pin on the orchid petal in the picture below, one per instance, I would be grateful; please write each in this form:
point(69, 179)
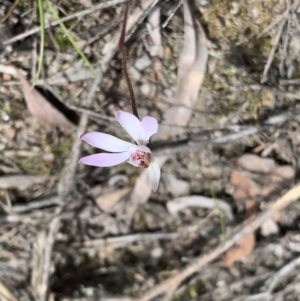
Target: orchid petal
point(150, 126)
point(154, 175)
point(132, 126)
point(106, 142)
point(105, 159)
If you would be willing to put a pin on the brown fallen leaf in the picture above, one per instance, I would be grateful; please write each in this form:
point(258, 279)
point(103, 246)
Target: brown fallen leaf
point(247, 189)
point(243, 248)
point(191, 72)
point(20, 181)
point(285, 172)
point(40, 108)
point(244, 187)
point(257, 164)
point(108, 202)
point(246, 245)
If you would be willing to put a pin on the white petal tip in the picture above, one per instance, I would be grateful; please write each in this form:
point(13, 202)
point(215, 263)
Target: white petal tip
point(154, 175)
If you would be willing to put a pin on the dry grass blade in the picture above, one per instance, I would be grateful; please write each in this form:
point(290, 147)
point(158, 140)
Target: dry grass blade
point(272, 53)
point(6, 294)
point(16, 2)
point(40, 108)
point(41, 260)
point(37, 259)
point(79, 14)
point(20, 181)
point(123, 241)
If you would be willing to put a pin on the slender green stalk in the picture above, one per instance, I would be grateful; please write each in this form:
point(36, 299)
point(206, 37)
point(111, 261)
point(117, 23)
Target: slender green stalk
point(70, 38)
point(42, 41)
point(220, 214)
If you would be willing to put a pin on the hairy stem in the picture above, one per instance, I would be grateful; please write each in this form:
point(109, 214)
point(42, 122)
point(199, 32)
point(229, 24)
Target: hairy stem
point(124, 61)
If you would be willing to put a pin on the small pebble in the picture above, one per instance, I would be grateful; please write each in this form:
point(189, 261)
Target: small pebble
point(134, 73)
point(145, 89)
point(142, 63)
point(6, 77)
point(157, 252)
point(48, 157)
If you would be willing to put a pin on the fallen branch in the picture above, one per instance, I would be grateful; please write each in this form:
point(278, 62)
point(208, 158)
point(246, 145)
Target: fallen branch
point(79, 14)
point(275, 279)
point(123, 241)
point(171, 284)
point(186, 145)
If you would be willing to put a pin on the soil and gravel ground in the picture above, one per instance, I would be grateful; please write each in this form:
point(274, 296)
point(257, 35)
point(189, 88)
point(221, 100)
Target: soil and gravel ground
point(73, 232)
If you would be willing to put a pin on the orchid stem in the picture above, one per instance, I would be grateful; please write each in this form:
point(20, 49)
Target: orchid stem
point(124, 61)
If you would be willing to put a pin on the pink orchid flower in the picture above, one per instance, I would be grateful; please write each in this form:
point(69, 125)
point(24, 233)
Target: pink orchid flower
point(138, 155)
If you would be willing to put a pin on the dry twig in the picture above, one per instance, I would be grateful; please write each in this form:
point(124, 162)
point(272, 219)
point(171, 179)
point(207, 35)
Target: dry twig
point(171, 284)
point(53, 201)
point(79, 14)
point(123, 241)
point(275, 279)
point(285, 47)
point(10, 11)
point(272, 53)
point(188, 145)
point(6, 293)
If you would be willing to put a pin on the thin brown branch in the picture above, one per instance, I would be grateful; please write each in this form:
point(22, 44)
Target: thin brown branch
point(64, 19)
point(172, 283)
point(10, 11)
point(122, 241)
point(53, 228)
point(183, 146)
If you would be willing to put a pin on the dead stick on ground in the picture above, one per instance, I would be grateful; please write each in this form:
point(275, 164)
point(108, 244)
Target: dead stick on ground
point(65, 188)
point(64, 19)
point(10, 11)
point(53, 228)
point(272, 53)
point(282, 273)
point(285, 48)
point(274, 280)
point(171, 284)
point(188, 145)
point(6, 293)
point(290, 9)
point(67, 180)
